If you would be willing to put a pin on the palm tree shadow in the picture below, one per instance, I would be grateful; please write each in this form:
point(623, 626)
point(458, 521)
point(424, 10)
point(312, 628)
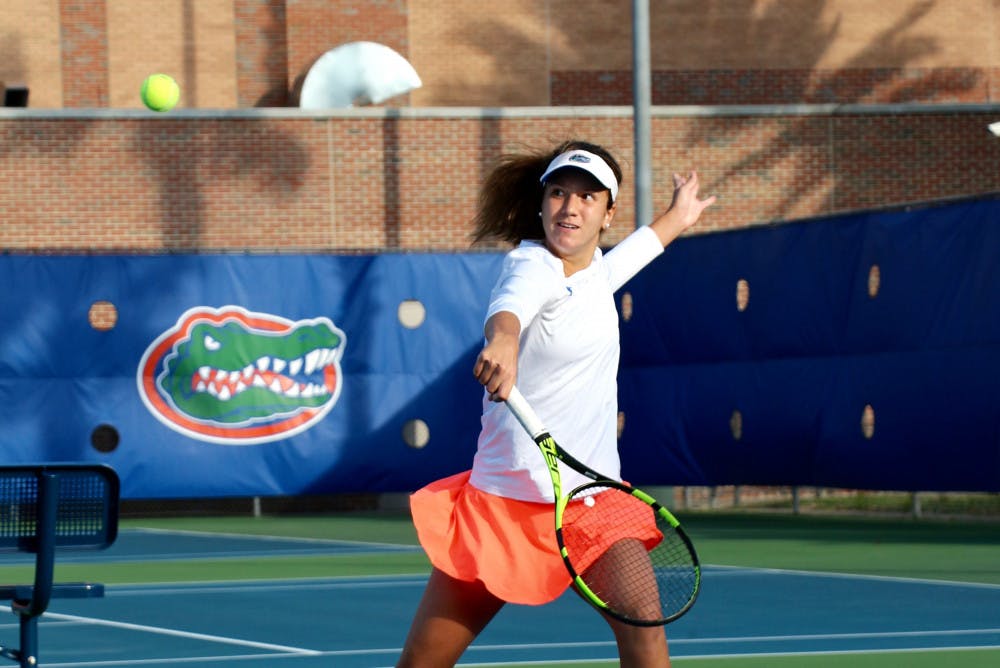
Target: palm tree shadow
point(884, 84)
point(273, 161)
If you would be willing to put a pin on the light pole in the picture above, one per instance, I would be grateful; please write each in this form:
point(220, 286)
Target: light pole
point(640, 113)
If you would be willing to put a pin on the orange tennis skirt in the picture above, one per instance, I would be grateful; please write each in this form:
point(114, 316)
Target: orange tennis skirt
point(509, 545)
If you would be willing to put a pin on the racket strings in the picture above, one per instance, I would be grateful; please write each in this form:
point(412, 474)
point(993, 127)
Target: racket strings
point(627, 555)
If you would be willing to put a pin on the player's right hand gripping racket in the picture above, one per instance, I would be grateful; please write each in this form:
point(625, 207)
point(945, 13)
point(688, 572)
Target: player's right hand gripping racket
point(627, 555)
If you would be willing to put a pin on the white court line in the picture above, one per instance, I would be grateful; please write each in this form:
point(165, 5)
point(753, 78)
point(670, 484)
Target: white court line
point(548, 662)
point(493, 664)
point(553, 646)
point(266, 537)
point(241, 586)
point(204, 659)
point(736, 639)
point(841, 652)
point(184, 634)
point(837, 636)
point(415, 579)
point(743, 571)
point(385, 581)
point(171, 661)
point(16, 626)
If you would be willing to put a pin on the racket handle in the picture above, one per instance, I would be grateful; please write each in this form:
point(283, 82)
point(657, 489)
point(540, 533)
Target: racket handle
point(518, 405)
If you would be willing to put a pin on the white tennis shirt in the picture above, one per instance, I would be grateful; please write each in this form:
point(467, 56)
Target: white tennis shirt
point(567, 366)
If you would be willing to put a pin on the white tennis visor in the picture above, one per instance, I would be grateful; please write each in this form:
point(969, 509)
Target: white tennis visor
point(588, 162)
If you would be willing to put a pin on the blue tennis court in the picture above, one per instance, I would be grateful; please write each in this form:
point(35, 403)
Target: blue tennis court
point(359, 622)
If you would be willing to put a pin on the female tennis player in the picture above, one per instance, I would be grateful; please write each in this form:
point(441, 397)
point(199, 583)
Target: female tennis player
point(552, 327)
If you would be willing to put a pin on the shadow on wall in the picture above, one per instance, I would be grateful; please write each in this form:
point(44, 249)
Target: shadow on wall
point(276, 58)
point(12, 70)
point(897, 44)
point(190, 54)
point(203, 154)
point(801, 145)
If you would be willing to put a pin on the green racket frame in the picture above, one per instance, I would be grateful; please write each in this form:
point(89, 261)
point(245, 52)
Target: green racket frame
point(554, 454)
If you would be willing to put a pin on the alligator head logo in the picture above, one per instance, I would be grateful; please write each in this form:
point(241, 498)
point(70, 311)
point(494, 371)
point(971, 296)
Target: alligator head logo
point(234, 377)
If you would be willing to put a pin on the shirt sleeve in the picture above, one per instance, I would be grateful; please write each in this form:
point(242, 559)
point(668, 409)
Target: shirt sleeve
point(526, 283)
point(632, 254)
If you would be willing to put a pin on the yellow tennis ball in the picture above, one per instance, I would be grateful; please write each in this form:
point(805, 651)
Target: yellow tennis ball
point(160, 92)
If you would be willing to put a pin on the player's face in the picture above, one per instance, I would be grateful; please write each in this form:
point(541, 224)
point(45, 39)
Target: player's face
point(574, 212)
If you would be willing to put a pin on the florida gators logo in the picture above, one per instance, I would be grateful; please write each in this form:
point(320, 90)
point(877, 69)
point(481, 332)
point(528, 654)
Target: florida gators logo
point(234, 377)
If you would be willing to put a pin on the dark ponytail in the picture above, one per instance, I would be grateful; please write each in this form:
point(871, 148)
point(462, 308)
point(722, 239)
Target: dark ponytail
point(511, 196)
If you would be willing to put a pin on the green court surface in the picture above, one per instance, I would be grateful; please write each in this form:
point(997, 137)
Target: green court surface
point(935, 550)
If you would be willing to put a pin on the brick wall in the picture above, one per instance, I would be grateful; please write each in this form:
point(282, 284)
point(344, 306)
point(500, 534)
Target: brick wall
point(468, 57)
point(244, 53)
point(376, 180)
point(30, 51)
point(84, 47)
point(191, 40)
point(782, 86)
point(261, 53)
point(316, 26)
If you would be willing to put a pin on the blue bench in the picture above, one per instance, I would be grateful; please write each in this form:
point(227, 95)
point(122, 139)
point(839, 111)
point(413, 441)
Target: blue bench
point(42, 508)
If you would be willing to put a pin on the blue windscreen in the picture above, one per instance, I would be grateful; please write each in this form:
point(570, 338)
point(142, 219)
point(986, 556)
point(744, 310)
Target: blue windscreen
point(857, 351)
point(866, 354)
point(231, 375)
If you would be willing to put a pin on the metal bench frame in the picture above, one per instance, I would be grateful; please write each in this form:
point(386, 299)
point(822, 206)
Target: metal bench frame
point(44, 507)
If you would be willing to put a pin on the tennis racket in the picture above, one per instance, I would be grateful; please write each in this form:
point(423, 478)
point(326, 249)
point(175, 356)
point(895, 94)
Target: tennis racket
point(627, 555)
